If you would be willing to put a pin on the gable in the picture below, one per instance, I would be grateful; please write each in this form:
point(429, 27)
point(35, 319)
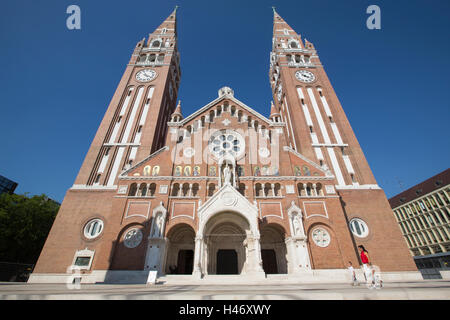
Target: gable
point(232, 102)
point(303, 166)
point(151, 165)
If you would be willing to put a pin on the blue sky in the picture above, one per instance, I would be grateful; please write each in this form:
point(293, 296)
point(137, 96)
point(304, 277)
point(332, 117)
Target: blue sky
point(55, 83)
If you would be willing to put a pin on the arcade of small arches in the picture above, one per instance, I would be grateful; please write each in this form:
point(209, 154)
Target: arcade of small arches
point(261, 190)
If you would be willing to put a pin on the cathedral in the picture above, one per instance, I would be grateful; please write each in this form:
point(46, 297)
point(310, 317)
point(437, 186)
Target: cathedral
point(224, 190)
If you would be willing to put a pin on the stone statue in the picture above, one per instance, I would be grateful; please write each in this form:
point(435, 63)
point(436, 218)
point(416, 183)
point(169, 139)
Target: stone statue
point(157, 230)
point(226, 175)
point(297, 226)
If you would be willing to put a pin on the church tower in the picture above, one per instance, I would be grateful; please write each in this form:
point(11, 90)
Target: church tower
point(127, 133)
point(133, 127)
point(317, 127)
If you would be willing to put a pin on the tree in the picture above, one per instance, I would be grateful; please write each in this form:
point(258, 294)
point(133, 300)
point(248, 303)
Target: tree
point(24, 226)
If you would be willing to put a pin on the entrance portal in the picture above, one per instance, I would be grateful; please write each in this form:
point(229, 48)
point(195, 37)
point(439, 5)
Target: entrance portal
point(185, 261)
point(269, 260)
point(180, 255)
point(273, 249)
point(227, 262)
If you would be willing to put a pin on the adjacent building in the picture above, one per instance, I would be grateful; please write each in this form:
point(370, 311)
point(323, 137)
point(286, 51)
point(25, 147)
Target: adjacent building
point(423, 214)
point(224, 190)
point(7, 185)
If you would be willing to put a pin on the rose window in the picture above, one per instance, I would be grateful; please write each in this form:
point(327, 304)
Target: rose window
point(133, 238)
point(321, 237)
point(226, 143)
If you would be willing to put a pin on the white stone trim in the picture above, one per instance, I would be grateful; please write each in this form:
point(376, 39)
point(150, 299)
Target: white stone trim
point(92, 188)
point(358, 187)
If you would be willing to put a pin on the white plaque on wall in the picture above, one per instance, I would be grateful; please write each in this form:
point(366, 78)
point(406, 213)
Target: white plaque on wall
point(330, 189)
point(163, 189)
point(290, 188)
point(122, 190)
point(152, 277)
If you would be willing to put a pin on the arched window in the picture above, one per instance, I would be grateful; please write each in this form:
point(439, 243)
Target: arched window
point(239, 115)
point(133, 189)
point(152, 57)
point(309, 190)
point(242, 188)
point(300, 189)
point(258, 190)
point(211, 189)
point(142, 58)
point(195, 189)
point(97, 179)
point(143, 190)
point(185, 190)
point(152, 190)
point(233, 111)
point(175, 189)
point(267, 189)
point(277, 190)
point(319, 189)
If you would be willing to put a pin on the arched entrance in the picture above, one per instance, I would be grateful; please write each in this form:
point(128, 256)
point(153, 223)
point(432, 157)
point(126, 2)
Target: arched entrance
point(180, 255)
point(225, 243)
point(273, 249)
point(228, 216)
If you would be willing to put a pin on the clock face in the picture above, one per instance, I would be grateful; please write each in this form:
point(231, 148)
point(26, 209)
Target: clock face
point(146, 75)
point(305, 76)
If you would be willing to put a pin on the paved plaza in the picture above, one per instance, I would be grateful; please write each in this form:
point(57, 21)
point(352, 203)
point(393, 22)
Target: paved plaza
point(423, 290)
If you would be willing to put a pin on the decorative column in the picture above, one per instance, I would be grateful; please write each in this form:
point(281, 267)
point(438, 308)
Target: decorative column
point(197, 273)
point(253, 257)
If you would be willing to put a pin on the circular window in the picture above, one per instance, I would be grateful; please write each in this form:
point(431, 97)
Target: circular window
point(226, 142)
point(321, 237)
point(93, 228)
point(359, 228)
point(132, 238)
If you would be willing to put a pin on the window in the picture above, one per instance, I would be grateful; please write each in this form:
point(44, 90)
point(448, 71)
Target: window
point(93, 228)
point(321, 237)
point(359, 228)
point(82, 261)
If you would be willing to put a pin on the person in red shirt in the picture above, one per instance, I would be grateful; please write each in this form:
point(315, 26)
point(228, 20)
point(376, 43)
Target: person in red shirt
point(369, 272)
